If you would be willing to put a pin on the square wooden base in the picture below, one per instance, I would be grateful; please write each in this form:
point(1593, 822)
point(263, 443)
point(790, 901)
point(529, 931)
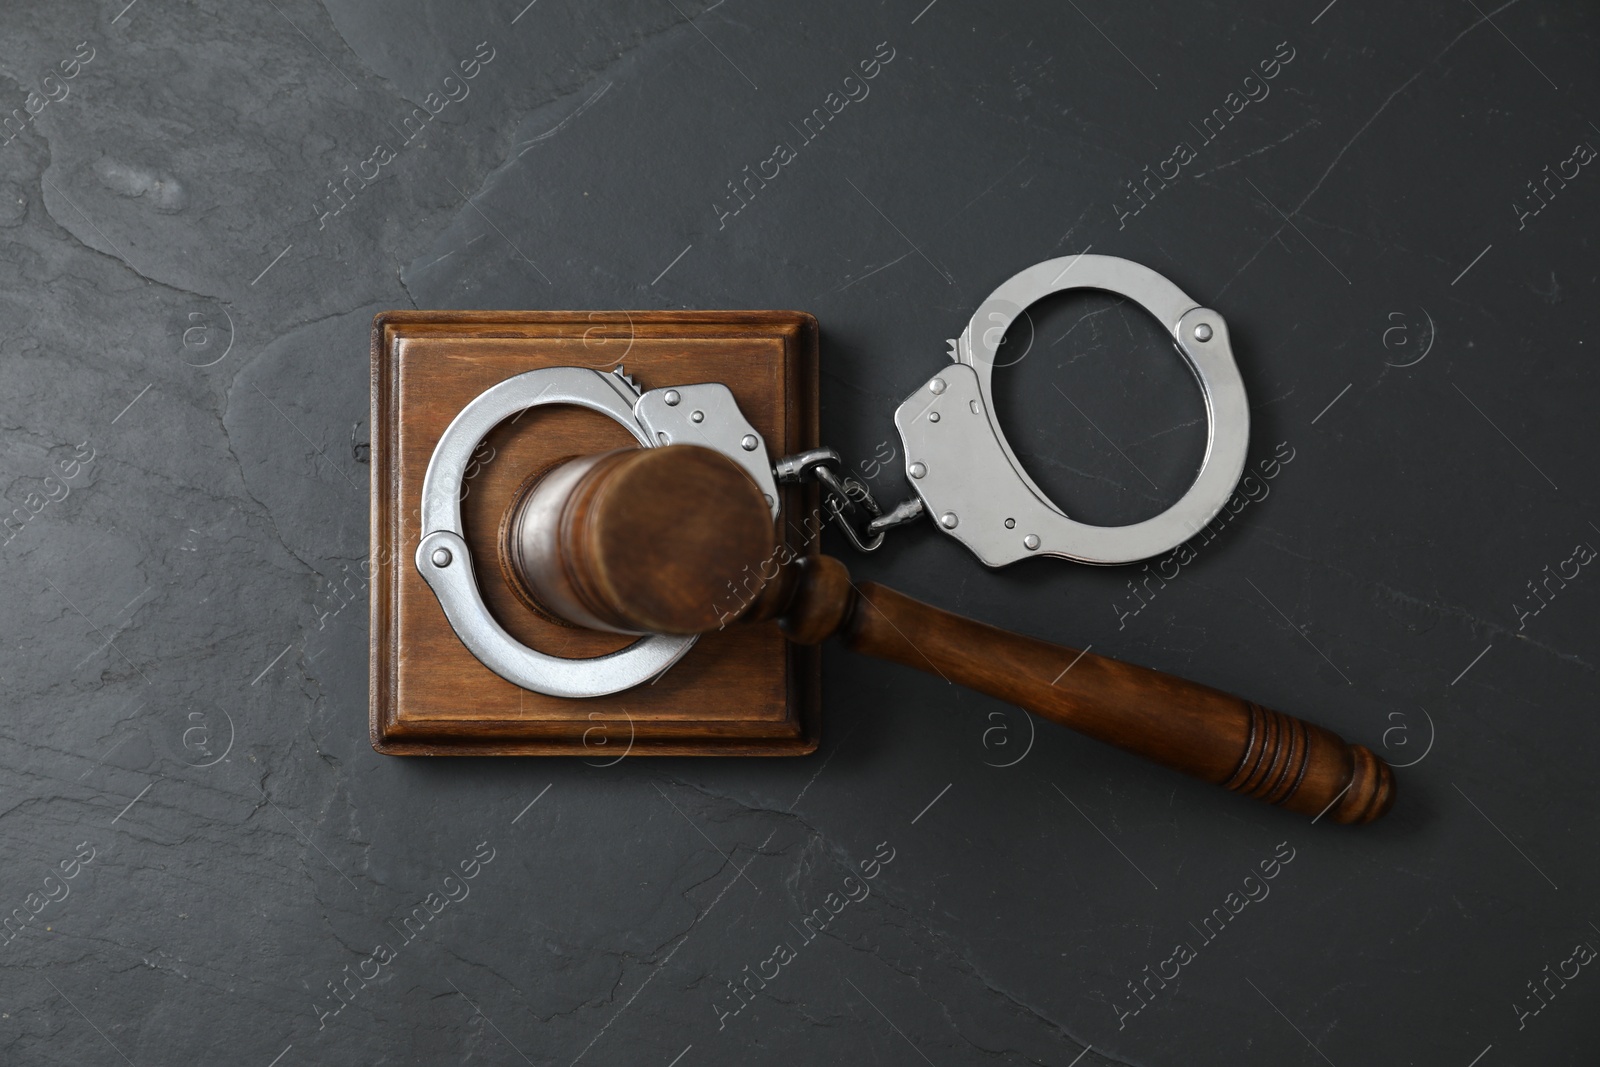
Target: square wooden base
point(741, 691)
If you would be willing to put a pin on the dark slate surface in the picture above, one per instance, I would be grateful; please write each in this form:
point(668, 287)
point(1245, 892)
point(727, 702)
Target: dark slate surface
point(183, 426)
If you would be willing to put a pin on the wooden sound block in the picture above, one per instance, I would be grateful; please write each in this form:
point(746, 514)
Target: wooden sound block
point(741, 691)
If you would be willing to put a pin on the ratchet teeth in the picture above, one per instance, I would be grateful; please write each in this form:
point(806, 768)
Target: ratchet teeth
point(626, 377)
point(955, 356)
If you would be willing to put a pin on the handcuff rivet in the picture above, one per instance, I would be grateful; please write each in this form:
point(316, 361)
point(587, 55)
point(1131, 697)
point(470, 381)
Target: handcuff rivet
point(1202, 332)
point(933, 416)
point(1031, 542)
point(697, 416)
point(1011, 524)
point(441, 557)
point(918, 470)
point(749, 442)
point(948, 520)
point(936, 386)
point(975, 407)
point(671, 397)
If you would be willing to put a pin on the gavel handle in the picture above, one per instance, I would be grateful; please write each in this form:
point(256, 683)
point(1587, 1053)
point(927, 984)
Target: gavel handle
point(1186, 726)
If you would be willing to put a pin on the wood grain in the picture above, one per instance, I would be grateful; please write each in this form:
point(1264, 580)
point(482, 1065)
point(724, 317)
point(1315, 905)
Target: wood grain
point(643, 540)
point(741, 691)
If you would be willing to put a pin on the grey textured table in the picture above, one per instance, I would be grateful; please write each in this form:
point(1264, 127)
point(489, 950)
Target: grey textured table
point(203, 204)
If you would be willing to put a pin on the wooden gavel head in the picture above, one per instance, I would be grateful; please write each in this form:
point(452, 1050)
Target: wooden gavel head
point(640, 540)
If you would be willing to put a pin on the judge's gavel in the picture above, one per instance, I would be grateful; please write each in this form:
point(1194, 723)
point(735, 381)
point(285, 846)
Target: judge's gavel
point(679, 540)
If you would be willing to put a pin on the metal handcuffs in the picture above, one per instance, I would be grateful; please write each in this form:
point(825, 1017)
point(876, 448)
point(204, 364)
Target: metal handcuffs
point(967, 477)
point(699, 414)
point(957, 460)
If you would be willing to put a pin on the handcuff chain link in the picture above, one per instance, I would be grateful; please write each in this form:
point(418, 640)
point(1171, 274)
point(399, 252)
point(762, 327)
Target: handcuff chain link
point(849, 501)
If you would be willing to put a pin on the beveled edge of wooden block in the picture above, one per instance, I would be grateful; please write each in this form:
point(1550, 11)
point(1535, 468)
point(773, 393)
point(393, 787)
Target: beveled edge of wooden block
point(803, 663)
